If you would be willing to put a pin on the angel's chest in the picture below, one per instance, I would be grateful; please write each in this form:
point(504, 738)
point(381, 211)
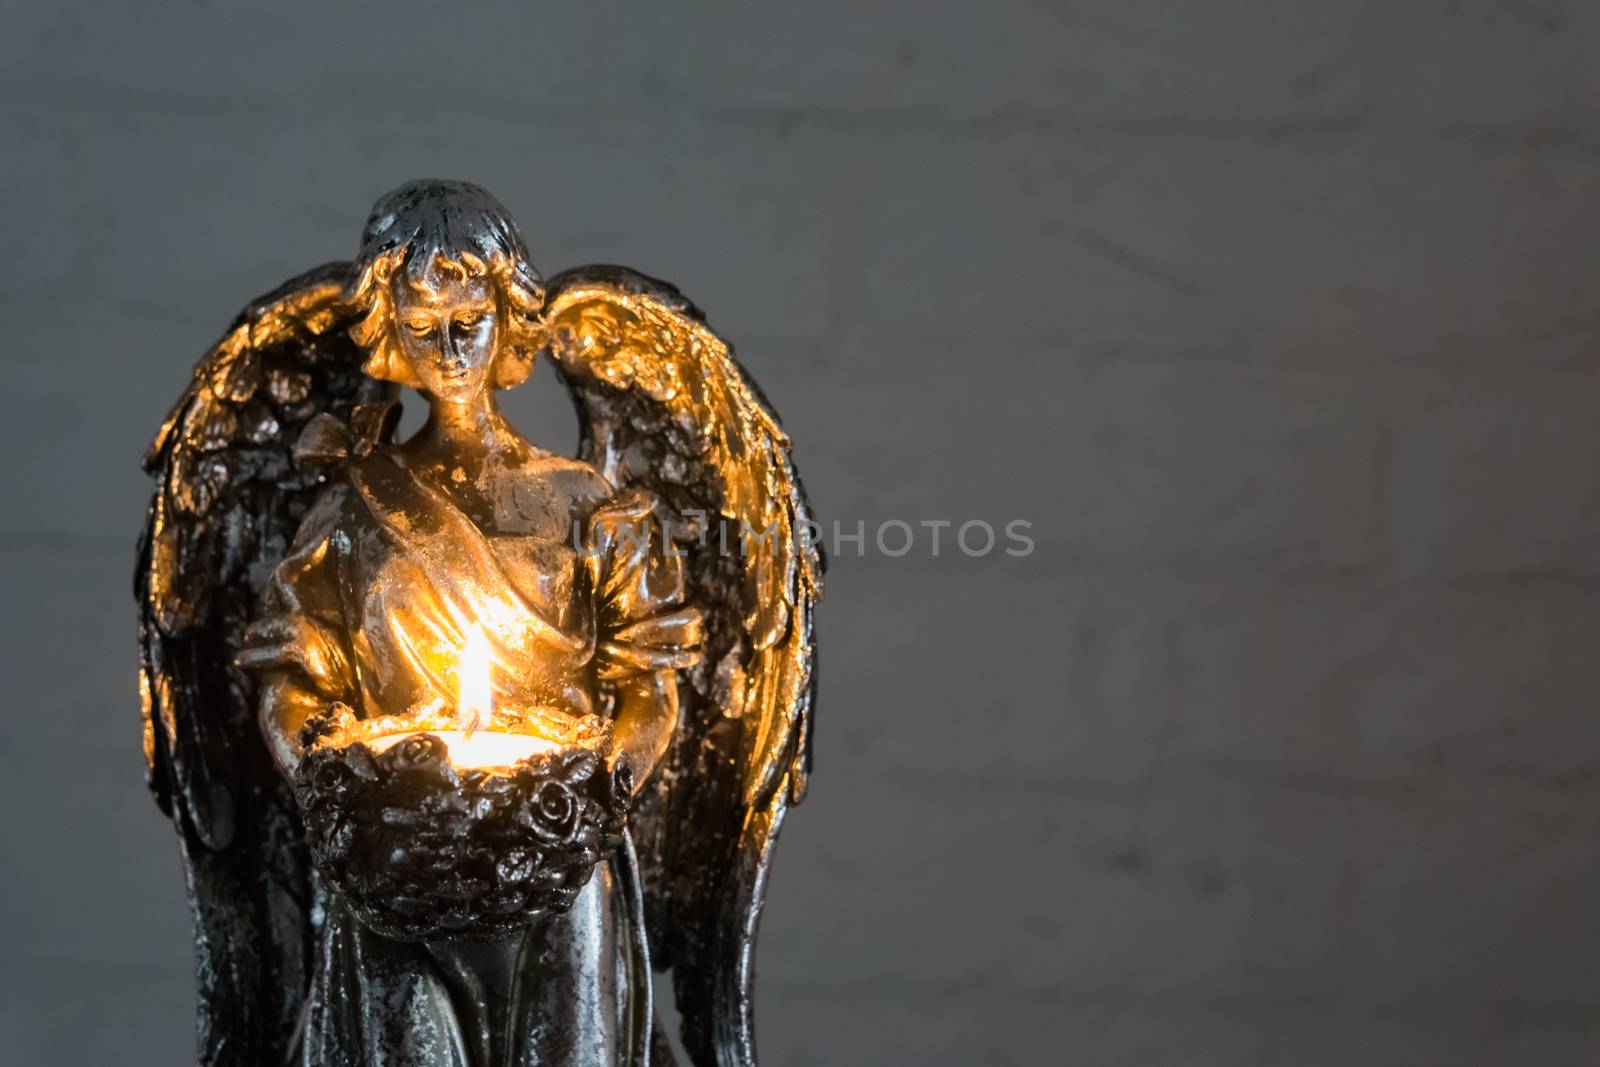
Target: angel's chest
point(503, 499)
point(529, 509)
point(547, 573)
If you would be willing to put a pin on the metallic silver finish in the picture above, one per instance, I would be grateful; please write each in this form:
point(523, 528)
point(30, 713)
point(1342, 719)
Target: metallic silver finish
point(298, 560)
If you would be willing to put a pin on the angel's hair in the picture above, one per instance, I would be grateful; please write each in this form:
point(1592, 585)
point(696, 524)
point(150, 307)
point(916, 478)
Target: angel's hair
point(431, 226)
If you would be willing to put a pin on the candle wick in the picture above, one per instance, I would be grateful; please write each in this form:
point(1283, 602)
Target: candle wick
point(476, 683)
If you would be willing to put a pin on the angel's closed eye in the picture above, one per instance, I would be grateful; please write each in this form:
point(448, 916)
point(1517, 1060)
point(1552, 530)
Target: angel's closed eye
point(420, 328)
point(468, 322)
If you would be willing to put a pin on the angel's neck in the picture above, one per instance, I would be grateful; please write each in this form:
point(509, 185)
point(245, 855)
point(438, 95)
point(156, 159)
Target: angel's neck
point(466, 429)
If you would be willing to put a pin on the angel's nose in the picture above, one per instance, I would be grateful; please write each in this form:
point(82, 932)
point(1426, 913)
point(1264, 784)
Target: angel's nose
point(450, 348)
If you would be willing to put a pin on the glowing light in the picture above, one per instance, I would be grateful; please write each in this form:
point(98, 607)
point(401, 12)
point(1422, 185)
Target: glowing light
point(485, 749)
point(476, 702)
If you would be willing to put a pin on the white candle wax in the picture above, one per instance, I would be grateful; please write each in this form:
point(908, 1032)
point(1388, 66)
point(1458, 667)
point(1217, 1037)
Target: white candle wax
point(484, 748)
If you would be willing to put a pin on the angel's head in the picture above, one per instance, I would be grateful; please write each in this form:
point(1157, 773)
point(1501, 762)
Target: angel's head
point(447, 300)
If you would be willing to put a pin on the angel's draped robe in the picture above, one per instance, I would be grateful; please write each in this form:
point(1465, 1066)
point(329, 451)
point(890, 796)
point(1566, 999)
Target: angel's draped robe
point(371, 607)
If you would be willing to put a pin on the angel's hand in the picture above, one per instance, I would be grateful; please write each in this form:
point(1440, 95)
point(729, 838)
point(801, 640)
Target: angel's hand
point(647, 716)
point(285, 706)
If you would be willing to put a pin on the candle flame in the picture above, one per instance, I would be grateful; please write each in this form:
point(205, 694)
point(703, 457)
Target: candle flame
point(477, 691)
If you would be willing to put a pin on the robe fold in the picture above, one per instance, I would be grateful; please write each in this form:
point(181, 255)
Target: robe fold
point(372, 606)
point(376, 598)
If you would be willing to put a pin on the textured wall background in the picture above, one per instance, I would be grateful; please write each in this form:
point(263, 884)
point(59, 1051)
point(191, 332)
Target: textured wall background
point(1277, 319)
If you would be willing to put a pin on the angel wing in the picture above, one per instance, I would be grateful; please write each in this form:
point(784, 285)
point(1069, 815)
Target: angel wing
point(663, 404)
point(227, 502)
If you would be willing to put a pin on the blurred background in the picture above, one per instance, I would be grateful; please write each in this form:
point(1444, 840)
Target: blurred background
point(1275, 319)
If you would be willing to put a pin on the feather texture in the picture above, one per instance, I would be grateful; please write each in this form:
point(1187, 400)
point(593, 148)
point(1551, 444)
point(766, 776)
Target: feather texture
point(227, 502)
point(663, 404)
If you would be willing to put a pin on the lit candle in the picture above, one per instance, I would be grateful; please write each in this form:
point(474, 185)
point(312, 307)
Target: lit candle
point(476, 734)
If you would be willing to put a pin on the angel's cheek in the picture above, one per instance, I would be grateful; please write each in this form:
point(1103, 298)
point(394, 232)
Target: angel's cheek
point(484, 341)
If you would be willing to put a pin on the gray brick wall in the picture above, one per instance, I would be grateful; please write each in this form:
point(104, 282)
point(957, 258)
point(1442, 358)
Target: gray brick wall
point(1275, 319)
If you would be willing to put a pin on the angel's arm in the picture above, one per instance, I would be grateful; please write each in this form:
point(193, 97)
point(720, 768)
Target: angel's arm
point(286, 703)
point(295, 642)
point(648, 634)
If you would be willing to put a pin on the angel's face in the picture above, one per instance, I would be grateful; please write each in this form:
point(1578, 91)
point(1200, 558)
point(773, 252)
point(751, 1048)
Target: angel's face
point(447, 332)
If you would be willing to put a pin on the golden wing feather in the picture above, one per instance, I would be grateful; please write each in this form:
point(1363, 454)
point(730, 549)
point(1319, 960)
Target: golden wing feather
point(227, 499)
point(613, 333)
point(664, 405)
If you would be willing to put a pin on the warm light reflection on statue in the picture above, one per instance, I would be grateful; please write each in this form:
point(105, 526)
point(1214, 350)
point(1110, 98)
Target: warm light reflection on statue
point(466, 698)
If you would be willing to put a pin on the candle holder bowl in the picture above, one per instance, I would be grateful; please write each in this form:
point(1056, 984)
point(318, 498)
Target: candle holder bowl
point(424, 850)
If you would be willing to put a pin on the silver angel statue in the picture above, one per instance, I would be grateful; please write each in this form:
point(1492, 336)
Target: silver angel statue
point(313, 594)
